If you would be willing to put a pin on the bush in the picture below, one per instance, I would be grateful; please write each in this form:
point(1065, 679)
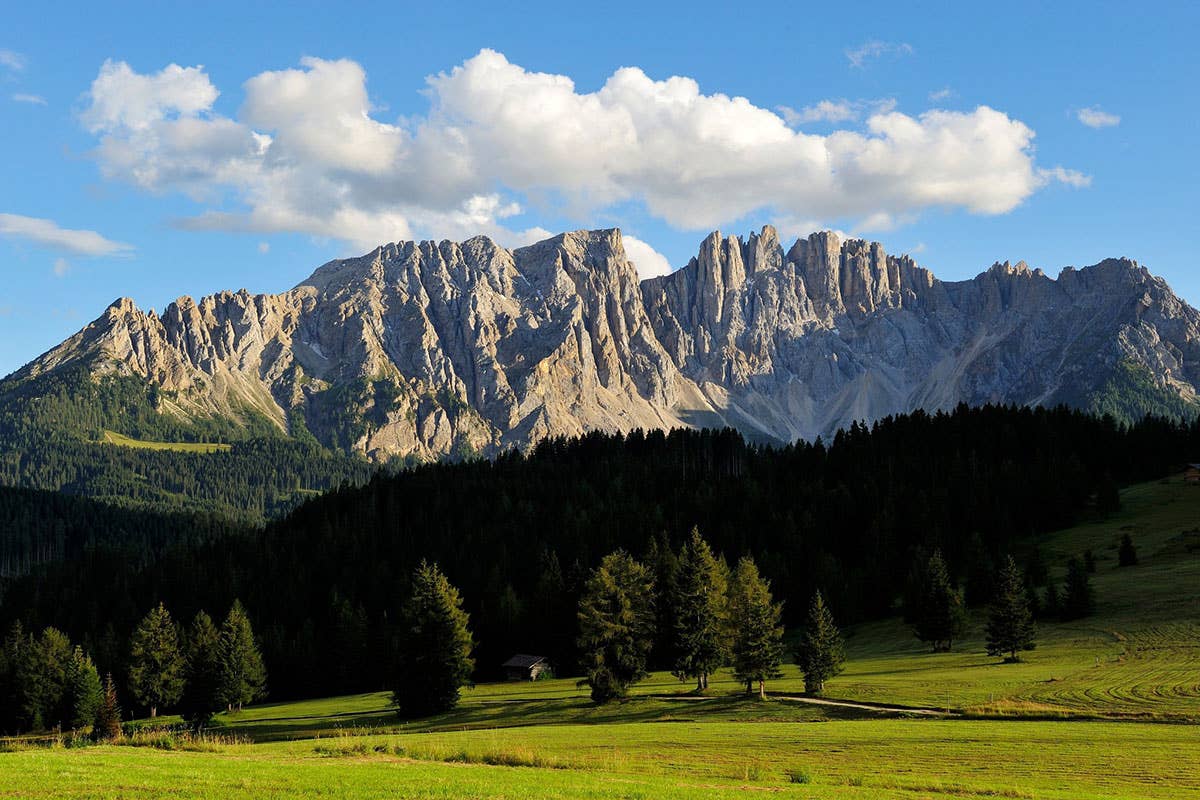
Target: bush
point(799, 775)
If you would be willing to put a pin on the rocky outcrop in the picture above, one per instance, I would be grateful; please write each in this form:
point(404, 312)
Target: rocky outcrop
point(427, 349)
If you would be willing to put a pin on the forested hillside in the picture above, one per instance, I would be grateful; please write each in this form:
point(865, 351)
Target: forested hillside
point(51, 437)
point(518, 534)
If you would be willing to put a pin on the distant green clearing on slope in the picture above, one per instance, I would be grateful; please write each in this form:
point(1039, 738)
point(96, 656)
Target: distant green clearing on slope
point(112, 437)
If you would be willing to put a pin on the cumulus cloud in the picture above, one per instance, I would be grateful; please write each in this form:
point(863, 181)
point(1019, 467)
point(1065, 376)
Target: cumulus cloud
point(1094, 117)
point(48, 234)
point(866, 52)
point(649, 262)
point(307, 152)
point(32, 99)
point(939, 95)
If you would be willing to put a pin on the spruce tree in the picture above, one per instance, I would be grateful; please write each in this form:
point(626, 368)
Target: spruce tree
point(942, 615)
point(10, 658)
point(701, 616)
point(45, 678)
point(156, 661)
point(435, 646)
point(820, 652)
point(1127, 553)
point(243, 675)
point(108, 715)
point(1078, 598)
point(757, 632)
point(1010, 627)
point(1052, 604)
point(82, 695)
point(616, 625)
point(203, 694)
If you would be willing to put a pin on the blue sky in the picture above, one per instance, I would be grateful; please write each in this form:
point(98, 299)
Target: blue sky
point(154, 152)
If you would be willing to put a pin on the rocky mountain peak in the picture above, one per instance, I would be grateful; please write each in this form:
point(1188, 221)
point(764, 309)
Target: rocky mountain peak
point(434, 348)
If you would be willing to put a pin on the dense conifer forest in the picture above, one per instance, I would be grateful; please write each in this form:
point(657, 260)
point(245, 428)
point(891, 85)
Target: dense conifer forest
point(855, 518)
point(52, 426)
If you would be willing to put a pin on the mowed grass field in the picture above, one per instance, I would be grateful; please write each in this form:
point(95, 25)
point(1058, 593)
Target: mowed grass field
point(112, 437)
point(1106, 707)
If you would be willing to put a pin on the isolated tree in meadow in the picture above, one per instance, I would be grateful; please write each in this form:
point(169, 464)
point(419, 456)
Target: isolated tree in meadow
point(941, 615)
point(82, 693)
point(616, 625)
point(1127, 553)
point(203, 694)
point(820, 652)
point(1078, 598)
point(1010, 627)
point(757, 632)
point(108, 715)
point(435, 646)
point(156, 664)
point(243, 675)
point(700, 612)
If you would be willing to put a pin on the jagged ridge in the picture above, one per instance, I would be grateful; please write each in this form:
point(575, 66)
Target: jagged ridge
point(426, 349)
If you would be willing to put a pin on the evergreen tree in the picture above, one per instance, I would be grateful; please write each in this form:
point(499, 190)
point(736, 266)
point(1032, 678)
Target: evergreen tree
point(701, 617)
point(156, 661)
point(11, 655)
point(1078, 598)
point(82, 693)
point(942, 615)
point(42, 680)
point(820, 652)
point(1108, 496)
point(203, 694)
point(243, 675)
point(435, 647)
point(757, 632)
point(108, 714)
point(663, 564)
point(616, 625)
point(1127, 553)
point(1010, 627)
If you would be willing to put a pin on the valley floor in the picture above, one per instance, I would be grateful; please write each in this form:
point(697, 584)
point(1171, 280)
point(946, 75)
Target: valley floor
point(1107, 707)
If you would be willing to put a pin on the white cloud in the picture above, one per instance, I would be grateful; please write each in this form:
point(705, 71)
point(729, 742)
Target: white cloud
point(649, 262)
point(10, 59)
point(32, 99)
point(48, 234)
point(1070, 177)
point(61, 267)
point(306, 153)
point(939, 95)
point(264, 247)
point(868, 51)
point(1095, 118)
point(824, 111)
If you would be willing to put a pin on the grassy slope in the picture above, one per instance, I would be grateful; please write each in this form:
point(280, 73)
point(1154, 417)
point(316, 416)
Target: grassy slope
point(112, 437)
point(1138, 657)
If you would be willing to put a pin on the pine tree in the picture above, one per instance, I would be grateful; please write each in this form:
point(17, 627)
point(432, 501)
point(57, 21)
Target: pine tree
point(155, 661)
point(1052, 604)
point(243, 675)
point(45, 680)
point(10, 658)
point(1078, 598)
point(435, 647)
point(82, 694)
point(1127, 553)
point(616, 625)
point(701, 616)
point(820, 652)
point(757, 632)
point(108, 715)
point(942, 615)
point(202, 695)
point(1010, 627)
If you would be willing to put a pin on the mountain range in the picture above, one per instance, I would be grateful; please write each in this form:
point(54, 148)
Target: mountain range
point(424, 349)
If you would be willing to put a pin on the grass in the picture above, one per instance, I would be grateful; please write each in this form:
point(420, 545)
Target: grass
point(112, 437)
point(1084, 699)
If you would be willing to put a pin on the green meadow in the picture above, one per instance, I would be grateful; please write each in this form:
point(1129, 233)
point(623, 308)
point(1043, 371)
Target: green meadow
point(112, 437)
point(1105, 707)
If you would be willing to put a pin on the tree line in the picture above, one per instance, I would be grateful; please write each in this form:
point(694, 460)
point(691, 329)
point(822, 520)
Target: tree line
point(48, 683)
point(858, 518)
